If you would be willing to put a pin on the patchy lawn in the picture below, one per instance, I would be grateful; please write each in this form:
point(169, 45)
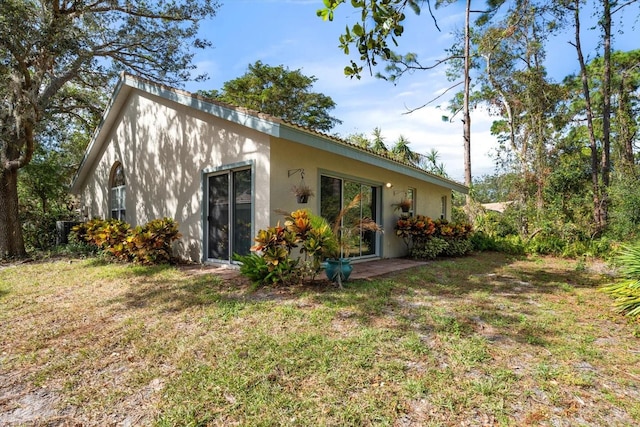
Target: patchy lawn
point(483, 340)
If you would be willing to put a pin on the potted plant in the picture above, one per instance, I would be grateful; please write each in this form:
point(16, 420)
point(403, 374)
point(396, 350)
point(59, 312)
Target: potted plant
point(302, 192)
point(403, 205)
point(338, 264)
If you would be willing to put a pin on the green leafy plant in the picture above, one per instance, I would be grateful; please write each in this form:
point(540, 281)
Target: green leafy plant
point(429, 248)
point(428, 239)
point(256, 269)
point(626, 293)
point(147, 244)
point(509, 245)
point(151, 243)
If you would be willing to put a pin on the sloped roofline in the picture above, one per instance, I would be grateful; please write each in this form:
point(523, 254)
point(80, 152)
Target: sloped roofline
point(260, 122)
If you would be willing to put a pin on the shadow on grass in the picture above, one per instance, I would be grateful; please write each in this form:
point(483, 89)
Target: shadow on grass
point(467, 285)
point(170, 288)
point(496, 273)
point(469, 288)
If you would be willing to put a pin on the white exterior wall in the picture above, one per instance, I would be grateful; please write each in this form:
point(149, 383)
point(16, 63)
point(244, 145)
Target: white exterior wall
point(286, 155)
point(164, 148)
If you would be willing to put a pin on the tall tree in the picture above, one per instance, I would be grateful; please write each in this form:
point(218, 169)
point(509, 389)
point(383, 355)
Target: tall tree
point(280, 92)
point(381, 23)
point(598, 213)
point(43, 184)
point(466, 114)
point(431, 163)
point(403, 152)
point(516, 88)
point(48, 49)
point(378, 141)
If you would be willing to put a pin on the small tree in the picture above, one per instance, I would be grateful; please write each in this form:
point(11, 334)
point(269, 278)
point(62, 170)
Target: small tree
point(281, 93)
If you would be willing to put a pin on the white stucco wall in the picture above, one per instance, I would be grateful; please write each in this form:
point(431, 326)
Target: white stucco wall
point(286, 155)
point(164, 147)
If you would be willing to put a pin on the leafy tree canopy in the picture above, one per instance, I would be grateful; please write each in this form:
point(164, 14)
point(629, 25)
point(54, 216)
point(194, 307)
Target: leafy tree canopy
point(55, 55)
point(280, 92)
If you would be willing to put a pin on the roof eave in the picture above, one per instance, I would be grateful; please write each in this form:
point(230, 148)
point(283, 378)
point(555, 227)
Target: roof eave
point(293, 133)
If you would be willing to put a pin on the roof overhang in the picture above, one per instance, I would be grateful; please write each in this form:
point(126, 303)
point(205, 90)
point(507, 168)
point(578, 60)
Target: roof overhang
point(260, 122)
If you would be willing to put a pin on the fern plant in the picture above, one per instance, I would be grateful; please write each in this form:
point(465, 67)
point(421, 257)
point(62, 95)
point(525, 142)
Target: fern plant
point(626, 293)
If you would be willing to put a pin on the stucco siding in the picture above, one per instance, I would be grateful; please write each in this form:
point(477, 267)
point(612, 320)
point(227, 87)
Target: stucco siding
point(286, 155)
point(164, 148)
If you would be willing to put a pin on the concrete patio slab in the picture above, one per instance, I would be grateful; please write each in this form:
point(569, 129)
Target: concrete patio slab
point(380, 267)
point(361, 269)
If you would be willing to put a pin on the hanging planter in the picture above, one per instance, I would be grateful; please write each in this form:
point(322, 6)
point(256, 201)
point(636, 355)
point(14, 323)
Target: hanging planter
point(302, 192)
point(403, 205)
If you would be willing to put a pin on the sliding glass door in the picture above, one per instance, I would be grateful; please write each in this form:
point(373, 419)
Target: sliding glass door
point(338, 193)
point(229, 214)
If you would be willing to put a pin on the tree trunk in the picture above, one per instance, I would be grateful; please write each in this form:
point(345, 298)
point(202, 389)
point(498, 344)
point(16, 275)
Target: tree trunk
point(467, 116)
point(598, 217)
point(606, 108)
point(626, 133)
point(11, 240)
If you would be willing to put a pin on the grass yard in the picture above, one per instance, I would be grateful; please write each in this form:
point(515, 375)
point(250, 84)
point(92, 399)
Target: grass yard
point(478, 341)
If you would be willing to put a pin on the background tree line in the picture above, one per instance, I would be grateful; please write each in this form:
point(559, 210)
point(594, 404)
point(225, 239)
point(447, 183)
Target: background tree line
point(567, 156)
point(567, 160)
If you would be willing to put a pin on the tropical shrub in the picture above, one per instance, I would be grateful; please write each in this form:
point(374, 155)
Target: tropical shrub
point(512, 244)
point(273, 246)
point(414, 230)
point(457, 247)
point(428, 239)
point(147, 244)
point(626, 293)
point(428, 248)
point(39, 230)
point(256, 268)
point(107, 235)
point(151, 243)
point(271, 261)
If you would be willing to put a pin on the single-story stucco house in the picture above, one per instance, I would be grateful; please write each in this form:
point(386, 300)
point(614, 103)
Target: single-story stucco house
point(222, 172)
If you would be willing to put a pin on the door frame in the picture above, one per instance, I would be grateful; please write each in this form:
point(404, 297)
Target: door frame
point(204, 221)
point(378, 252)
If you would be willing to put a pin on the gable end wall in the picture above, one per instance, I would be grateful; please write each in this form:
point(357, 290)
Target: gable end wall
point(164, 148)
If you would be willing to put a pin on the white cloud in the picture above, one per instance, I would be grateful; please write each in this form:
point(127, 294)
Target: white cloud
point(426, 130)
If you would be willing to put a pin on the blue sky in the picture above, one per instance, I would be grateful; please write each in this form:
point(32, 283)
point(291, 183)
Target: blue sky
point(288, 32)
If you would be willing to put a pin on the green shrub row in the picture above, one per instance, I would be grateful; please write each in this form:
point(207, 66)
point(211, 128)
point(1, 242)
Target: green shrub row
point(147, 244)
point(427, 238)
point(540, 244)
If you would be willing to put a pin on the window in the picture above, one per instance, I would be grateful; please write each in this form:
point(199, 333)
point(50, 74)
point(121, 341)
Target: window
point(118, 192)
point(443, 202)
point(411, 195)
point(229, 214)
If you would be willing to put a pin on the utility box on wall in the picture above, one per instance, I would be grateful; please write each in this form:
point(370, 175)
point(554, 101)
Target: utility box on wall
point(63, 228)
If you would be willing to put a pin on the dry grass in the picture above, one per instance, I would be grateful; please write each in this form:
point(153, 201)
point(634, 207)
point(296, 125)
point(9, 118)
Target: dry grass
point(484, 340)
